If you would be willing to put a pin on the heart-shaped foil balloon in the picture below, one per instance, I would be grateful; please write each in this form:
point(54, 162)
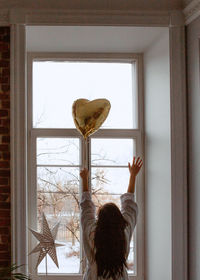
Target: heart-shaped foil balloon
point(89, 115)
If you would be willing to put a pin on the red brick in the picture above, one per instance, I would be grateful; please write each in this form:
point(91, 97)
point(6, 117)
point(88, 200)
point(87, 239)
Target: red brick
point(6, 155)
point(3, 47)
point(4, 147)
point(4, 205)
point(5, 87)
point(4, 255)
point(4, 130)
point(4, 173)
point(4, 164)
point(6, 38)
point(5, 213)
point(4, 238)
point(5, 122)
point(5, 139)
point(6, 72)
point(5, 55)
point(5, 104)
point(4, 198)
point(3, 181)
point(5, 263)
point(4, 29)
point(3, 247)
point(4, 80)
point(4, 63)
point(4, 189)
point(5, 222)
point(4, 230)
point(3, 113)
point(4, 95)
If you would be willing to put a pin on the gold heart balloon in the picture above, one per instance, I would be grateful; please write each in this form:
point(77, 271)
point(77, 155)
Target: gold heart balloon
point(89, 115)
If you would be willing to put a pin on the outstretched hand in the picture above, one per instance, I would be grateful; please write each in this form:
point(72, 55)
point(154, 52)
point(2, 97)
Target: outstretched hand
point(136, 166)
point(84, 176)
point(134, 169)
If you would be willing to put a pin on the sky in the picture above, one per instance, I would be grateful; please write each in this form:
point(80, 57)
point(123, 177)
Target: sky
point(56, 85)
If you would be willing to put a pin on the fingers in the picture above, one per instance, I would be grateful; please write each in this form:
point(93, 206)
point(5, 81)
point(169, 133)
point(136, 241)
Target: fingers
point(84, 172)
point(140, 163)
point(136, 162)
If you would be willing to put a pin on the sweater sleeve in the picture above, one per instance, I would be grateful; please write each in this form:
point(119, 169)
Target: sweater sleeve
point(87, 222)
point(129, 210)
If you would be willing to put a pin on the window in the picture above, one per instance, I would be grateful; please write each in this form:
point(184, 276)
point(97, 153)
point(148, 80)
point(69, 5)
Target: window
point(56, 149)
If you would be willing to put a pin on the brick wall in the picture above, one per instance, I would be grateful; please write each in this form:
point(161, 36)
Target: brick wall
point(5, 225)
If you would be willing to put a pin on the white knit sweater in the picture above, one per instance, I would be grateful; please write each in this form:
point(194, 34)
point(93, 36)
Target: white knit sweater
point(129, 211)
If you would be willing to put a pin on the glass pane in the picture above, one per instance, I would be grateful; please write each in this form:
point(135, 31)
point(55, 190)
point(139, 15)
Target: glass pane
point(58, 198)
point(100, 199)
point(130, 261)
point(61, 151)
point(112, 151)
point(110, 180)
point(56, 85)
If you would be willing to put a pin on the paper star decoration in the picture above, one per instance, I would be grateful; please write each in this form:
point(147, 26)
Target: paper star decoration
point(47, 243)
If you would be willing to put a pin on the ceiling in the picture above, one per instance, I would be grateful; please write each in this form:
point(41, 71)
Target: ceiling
point(91, 38)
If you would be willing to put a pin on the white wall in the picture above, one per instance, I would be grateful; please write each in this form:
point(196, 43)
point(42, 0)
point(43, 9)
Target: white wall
point(157, 160)
point(193, 69)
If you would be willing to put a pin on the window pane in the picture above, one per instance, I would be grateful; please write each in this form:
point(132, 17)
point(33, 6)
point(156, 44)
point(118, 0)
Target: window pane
point(110, 180)
point(56, 85)
point(58, 197)
point(112, 151)
point(131, 257)
point(63, 151)
point(100, 199)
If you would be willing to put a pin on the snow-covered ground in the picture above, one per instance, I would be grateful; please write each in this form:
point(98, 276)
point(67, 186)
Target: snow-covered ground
point(67, 263)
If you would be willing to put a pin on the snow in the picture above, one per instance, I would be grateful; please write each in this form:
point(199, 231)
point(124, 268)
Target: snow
point(67, 264)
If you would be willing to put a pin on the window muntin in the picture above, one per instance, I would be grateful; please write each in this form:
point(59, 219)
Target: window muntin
point(42, 134)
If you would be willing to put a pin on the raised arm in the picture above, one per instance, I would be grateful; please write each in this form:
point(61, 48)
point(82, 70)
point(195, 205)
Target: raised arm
point(87, 214)
point(134, 170)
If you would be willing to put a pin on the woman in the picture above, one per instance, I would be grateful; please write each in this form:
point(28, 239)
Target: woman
point(107, 241)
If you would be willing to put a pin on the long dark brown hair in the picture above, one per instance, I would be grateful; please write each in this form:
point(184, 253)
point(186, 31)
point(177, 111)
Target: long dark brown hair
point(109, 242)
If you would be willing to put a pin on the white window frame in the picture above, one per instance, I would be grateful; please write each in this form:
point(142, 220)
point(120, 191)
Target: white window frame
point(136, 134)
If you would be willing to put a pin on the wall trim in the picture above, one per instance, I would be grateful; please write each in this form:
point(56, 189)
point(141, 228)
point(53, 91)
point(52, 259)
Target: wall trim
point(178, 153)
point(88, 17)
point(18, 147)
point(4, 17)
point(192, 11)
point(91, 17)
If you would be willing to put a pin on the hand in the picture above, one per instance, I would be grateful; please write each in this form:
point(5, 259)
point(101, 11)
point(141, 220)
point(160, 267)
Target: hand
point(84, 174)
point(135, 167)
